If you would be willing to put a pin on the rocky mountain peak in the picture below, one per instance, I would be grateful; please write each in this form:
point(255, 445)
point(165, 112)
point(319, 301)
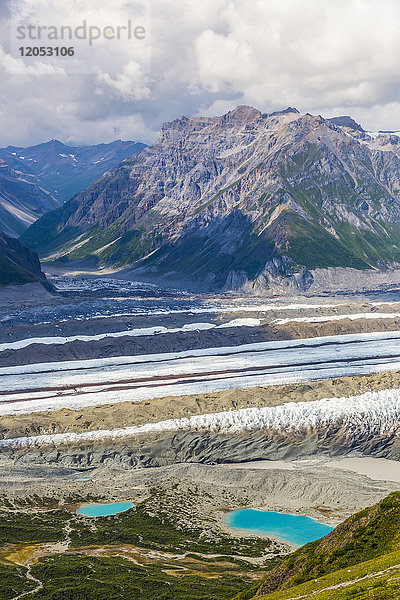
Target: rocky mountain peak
point(239, 116)
point(286, 111)
point(346, 121)
point(243, 197)
point(242, 114)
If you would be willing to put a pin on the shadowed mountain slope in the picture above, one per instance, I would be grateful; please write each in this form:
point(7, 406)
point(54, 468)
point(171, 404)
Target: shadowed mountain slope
point(18, 265)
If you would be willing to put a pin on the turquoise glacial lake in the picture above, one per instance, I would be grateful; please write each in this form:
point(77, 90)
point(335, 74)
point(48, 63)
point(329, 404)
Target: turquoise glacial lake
point(104, 510)
point(295, 529)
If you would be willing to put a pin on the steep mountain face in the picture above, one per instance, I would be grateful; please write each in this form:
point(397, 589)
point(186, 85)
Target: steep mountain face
point(18, 265)
point(67, 170)
point(366, 535)
point(23, 197)
point(240, 200)
point(40, 178)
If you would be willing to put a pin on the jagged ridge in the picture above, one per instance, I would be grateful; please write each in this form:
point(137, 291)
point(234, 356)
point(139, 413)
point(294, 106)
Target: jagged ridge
point(246, 196)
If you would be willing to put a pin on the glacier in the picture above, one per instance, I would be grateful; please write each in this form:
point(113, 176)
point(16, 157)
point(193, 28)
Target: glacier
point(326, 318)
point(246, 322)
point(76, 384)
point(375, 413)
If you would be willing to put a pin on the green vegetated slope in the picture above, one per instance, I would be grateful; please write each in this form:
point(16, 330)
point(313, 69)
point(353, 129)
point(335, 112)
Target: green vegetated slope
point(143, 553)
point(359, 559)
point(377, 579)
point(234, 193)
point(74, 577)
point(146, 553)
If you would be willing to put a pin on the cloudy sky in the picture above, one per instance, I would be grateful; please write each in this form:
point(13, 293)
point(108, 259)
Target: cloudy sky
point(198, 57)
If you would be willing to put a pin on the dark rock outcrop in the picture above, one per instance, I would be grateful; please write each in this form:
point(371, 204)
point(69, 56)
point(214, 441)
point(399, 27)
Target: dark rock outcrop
point(19, 265)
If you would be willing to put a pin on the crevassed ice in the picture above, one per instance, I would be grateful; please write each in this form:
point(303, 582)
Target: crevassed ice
point(375, 413)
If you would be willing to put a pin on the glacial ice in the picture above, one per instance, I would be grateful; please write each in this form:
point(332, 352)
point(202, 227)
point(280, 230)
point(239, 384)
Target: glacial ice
point(326, 318)
point(76, 384)
point(375, 413)
point(129, 333)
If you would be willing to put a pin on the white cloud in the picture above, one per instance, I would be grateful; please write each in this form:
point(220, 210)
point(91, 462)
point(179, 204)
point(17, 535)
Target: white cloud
point(130, 84)
point(16, 66)
point(319, 53)
point(204, 57)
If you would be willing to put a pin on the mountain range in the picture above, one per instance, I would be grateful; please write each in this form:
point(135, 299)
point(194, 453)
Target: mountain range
point(40, 178)
point(23, 197)
point(239, 201)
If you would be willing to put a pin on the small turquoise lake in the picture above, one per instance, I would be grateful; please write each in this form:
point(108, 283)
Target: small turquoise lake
point(104, 510)
point(295, 529)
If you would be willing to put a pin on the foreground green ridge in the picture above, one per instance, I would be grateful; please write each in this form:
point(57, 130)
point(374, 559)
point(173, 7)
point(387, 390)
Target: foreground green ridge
point(359, 559)
point(377, 579)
